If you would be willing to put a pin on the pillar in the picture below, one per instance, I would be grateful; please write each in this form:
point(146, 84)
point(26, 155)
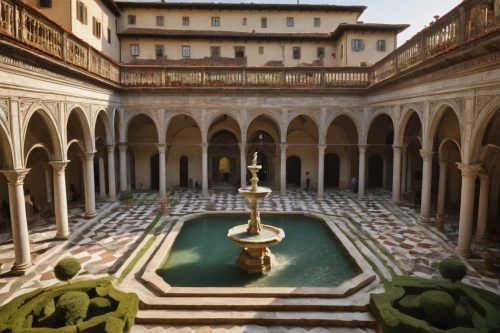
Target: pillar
point(90, 211)
point(362, 172)
point(123, 166)
point(102, 177)
point(404, 170)
point(60, 199)
point(482, 217)
point(243, 164)
point(442, 191)
point(283, 147)
point(204, 164)
point(425, 209)
point(409, 175)
point(163, 180)
point(20, 237)
point(384, 172)
point(469, 175)
point(321, 171)
point(111, 173)
point(48, 184)
point(396, 174)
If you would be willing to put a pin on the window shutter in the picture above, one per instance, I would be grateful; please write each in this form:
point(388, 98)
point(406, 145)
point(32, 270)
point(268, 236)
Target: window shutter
point(93, 26)
point(362, 45)
point(85, 14)
point(353, 45)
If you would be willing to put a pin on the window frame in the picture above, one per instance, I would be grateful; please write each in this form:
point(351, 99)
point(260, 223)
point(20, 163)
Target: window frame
point(261, 49)
point(317, 52)
point(132, 48)
point(212, 48)
point(341, 51)
point(294, 48)
point(354, 45)
point(109, 35)
point(96, 28)
point(45, 3)
point(188, 48)
point(216, 19)
point(239, 47)
point(384, 44)
point(132, 20)
point(81, 12)
point(318, 19)
point(184, 20)
point(289, 20)
point(162, 21)
point(159, 47)
point(262, 24)
point(245, 21)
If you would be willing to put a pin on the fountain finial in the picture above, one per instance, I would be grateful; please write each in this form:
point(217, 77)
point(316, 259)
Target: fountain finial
point(254, 161)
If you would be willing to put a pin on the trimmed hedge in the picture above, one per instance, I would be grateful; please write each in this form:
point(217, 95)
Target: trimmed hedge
point(100, 302)
point(453, 269)
point(66, 269)
point(114, 325)
point(485, 319)
point(438, 306)
point(14, 314)
point(71, 308)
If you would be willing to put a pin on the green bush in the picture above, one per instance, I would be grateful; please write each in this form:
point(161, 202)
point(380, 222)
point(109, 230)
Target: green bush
point(453, 269)
point(126, 195)
point(410, 305)
point(114, 325)
point(66, 269)
point(438, 306)
point(100, 302)
point(72, 307)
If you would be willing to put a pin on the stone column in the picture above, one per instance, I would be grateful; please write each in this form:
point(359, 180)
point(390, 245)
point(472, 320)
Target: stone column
point(243, 164)
point(111, 172)
point(469, 175)
point(403, 170)
point(48, 184)
point(321, 171)
point(425, 209)
point(482, 217)
point(123, 166)
point(361, 180)
point(204, 163)
point(102, 177)
point(84, 173)
point(384, 171)
point(20, 236)
point(90, 211)
point(163, 176)
point(396, 174)
point(60, 199)
point(283, 147)
point(442, 191)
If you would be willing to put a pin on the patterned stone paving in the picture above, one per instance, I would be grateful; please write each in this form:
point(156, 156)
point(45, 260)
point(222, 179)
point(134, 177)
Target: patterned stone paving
point(245, 329)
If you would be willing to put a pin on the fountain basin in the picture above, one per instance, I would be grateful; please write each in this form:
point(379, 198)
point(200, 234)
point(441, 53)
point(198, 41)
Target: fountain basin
point(260, 193)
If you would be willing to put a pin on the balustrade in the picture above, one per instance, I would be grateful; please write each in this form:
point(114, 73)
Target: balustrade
point(442, 37)
point(76, 53)
point(43, 35)
point(7, 16)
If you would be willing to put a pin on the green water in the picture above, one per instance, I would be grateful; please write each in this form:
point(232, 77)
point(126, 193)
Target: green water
point(308, 256)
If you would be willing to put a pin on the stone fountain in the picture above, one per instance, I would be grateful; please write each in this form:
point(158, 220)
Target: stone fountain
point(255, 238)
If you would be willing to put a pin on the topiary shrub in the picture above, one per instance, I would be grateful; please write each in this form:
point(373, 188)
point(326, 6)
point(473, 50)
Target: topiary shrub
point(71, 308)
point(126, 195)
point(438, 306)
point(114, 325)
point(453, 269)
point(66, 269)
point(100, 302)
point(410, 305)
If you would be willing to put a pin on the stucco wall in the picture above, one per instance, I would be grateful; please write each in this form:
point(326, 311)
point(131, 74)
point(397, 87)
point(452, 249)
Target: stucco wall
point(59, 11)
point(369, 54)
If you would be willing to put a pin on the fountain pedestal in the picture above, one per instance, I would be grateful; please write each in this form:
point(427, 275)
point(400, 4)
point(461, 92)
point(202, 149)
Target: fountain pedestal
point(255, 238)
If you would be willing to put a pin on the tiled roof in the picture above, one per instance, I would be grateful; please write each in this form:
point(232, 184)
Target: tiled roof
point(241, 6)
point(188, 62)
point(343, 27)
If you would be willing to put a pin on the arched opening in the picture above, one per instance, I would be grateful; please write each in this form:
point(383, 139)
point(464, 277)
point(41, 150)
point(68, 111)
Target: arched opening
point(155, 172)
point(184, 171)
point(263, 143)
point(103, 133)
point(380, 140)
point(375, 171)
point(302, 139)
point(293, 171)
point(332, 170)
point(224, 155)
point(411, 168)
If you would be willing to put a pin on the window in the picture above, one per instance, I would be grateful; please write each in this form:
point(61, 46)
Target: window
point(289, 22)
point(81, 12)
point(342, 51)
point(131, 19)
point(215, 21)
point(357, 45)
point(261, 49)
point(134, 50)
point(185, 21)
point(296, 53)
point(186, 51)
point(381, 45)
point(244, 21)
point(160, 20)
point(96, 27)
point(109, 36)
point(317, 22)
point(239, 52)
point(321, 52)
point(159, 51)
point(263, 22)
point(215, 51)
point(45, 3)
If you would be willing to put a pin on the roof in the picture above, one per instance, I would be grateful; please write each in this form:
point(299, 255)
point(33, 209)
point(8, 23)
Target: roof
point(206, 34)
point(196, 62)
point(111, 5)
point(343, 27)
point(240, 6)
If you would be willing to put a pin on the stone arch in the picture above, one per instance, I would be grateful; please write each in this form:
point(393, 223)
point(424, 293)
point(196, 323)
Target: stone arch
point(213, 115)
point(486, 115)
point(51, 123)
point(437, 114)
point(338, 114)
point(171, 116)
point(268, 114)
point(275, 136)
point(89, 143)
point(441, 155)
point(132, 115)
point(104, 116)
point(364, 137)
point(407, 113)
point(36, 146)
point(212, 122)
point(294, 115)
point(6, 148)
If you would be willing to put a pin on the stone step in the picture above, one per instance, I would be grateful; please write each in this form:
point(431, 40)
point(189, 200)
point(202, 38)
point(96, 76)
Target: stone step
point(255, 304)
point(264, 318)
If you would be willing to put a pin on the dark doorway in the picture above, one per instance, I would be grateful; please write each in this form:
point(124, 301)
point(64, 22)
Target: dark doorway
point(293, 167)
point(332, 170)
point(375, 171)
point(183, 172)
point(155, 172)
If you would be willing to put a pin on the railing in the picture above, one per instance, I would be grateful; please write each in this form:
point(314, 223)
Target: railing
point(471, 20)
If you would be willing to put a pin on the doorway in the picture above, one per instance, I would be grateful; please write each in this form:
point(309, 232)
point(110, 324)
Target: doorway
point(183, 172)
point(332, 170)
point(375, 171)
point(293, 171)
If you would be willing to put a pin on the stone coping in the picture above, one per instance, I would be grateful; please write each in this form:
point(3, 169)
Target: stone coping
point(349, 287)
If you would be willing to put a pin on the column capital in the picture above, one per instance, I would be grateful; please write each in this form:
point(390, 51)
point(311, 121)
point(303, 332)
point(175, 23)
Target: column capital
point(16, 176)
point(469, 171)
point(123, 146)
point(110, 148)
point(59, 166)
point(89, 156)
point(321, 149)
point(397, 148)
point(484, 177)
point(204, 146)
point(162, 148)
point(426, 155)
point(283, 146)
point(362, 148)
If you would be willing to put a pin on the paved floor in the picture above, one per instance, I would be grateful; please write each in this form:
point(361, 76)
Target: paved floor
point(245, 329)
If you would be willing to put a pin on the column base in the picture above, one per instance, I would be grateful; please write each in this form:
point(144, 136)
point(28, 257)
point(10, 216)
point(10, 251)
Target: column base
point(90, 216)
point(63, 236)
point(463, 253)
point(205, 194)
point(439, 221)
point(424, 220)
point(20, 269)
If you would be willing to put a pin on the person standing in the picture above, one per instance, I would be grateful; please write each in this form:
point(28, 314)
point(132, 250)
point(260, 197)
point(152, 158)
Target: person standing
point(354, 184)
point(308, 179)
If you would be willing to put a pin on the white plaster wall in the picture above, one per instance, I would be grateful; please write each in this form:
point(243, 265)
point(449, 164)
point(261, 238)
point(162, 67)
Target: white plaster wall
point(370, 55)
point(308, 154)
